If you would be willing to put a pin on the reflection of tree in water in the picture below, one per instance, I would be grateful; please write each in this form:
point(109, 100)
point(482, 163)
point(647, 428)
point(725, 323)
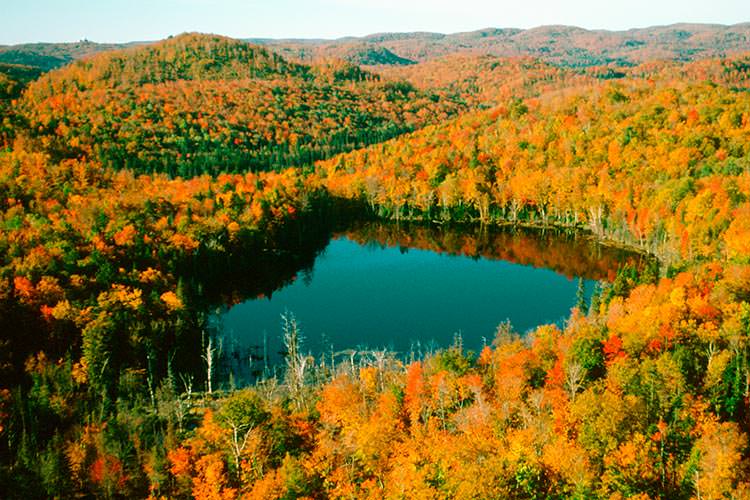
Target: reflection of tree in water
point(264, 268)
point(565, 252)
point(258, 269)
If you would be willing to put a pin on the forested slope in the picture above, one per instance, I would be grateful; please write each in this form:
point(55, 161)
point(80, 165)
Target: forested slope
point(658, 163)
point(201, 103)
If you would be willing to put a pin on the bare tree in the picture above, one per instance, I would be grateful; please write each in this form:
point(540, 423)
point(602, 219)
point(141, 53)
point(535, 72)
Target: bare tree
point(208, 357)
point(296, 363)
point(184, 400)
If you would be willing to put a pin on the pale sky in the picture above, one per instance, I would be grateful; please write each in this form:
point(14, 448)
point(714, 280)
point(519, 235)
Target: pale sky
point(129, 20)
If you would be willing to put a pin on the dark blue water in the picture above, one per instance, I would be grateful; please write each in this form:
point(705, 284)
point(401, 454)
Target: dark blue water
point(372, 296)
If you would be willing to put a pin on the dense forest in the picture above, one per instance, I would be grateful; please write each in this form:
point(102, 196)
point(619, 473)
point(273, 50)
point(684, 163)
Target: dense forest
point(140, 188)
point(200, 104)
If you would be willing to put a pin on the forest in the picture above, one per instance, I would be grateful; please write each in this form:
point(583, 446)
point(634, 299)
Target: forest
point(136, 183)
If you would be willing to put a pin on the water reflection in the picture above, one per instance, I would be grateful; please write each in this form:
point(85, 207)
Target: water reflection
point(403, 287)
point(565, 252)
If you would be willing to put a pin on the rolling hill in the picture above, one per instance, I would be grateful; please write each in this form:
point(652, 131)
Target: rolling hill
point(561, 44)
point(567, 45)
point(203, 103)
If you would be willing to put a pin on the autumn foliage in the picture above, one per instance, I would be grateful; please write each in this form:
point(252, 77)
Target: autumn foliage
point(129, 174)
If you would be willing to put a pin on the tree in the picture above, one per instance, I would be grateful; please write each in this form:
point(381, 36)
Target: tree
point(243, 414)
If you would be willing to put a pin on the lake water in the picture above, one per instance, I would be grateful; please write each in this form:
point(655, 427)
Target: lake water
point(406, 289)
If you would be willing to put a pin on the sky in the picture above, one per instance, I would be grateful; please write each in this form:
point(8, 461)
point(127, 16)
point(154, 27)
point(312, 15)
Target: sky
point(130, 20)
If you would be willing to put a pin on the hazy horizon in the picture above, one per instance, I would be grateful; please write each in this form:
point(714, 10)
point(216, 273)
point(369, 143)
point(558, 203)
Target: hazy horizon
point(366, 35)
point(120, 21)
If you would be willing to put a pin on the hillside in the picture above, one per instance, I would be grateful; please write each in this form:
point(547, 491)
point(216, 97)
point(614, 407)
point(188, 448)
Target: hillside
point(14, 78)
point(202, 103)
point(630, 158)
point(188, 56)
point(485, 81)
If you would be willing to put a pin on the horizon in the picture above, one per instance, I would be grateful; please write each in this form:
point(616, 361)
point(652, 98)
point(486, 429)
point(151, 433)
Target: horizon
point(373, 34)
point(118, 21)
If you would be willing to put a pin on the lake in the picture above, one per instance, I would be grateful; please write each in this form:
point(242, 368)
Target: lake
point(413, 288)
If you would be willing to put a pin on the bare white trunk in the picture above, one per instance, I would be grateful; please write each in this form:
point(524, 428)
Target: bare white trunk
point(209, 358)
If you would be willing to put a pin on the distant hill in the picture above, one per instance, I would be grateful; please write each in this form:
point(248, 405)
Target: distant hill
point(560, 44)
point(21, 64)
point(367, 55)
point(567, 45)
point(48, 56)
point(355, 51)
